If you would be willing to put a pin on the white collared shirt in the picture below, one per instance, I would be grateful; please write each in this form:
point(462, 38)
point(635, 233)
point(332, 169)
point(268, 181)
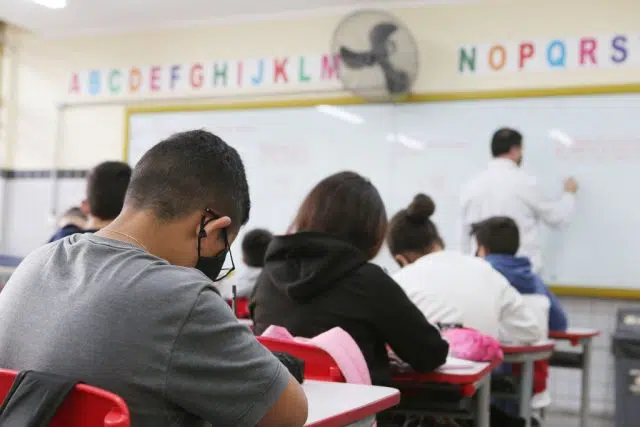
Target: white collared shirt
point(504, 189)
point(449, 287)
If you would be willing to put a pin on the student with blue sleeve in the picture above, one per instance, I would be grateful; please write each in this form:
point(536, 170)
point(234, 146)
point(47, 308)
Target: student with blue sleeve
point(498, 240)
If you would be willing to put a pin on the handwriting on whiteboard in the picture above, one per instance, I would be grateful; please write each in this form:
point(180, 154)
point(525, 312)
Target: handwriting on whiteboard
point(601, 150)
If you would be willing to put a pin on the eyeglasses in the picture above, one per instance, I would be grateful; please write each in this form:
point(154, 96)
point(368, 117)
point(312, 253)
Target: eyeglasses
point(226, 271)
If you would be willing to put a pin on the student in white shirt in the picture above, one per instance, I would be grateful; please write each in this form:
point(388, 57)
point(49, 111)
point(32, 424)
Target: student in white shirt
point(449, 287)
point(504, 189)
point(254, 247)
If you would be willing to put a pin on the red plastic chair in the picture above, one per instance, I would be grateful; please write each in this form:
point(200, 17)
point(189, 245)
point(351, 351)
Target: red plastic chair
point(318, 364)
point(86, 406)
point(242, 307)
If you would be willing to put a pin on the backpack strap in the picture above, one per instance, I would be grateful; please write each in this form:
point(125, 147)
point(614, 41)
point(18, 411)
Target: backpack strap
point(34, 399)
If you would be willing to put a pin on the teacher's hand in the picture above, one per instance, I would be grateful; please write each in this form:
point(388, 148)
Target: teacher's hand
point(570, 185)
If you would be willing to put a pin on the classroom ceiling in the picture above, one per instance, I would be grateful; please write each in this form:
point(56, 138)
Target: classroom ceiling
point(84, 17)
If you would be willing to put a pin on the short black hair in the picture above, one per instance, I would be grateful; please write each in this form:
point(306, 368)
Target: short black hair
point(348, 207)
point(504, 140)
point(498, 235)
point(254, 246)
point(188, 172)
point(106, 187)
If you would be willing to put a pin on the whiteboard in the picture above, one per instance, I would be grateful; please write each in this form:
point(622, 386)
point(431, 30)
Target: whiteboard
point(435, 148)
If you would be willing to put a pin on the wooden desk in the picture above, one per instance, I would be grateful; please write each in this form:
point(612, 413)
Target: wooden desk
point(341, 404)
point(582, 337)
point(476, 378)
point(526, 355)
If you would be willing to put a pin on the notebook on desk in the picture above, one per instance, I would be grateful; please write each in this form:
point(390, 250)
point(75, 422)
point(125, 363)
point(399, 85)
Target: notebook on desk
point(451, 363)
point(455, 363)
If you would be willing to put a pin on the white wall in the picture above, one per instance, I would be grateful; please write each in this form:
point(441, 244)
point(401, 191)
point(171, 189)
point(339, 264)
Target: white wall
point(45, 65)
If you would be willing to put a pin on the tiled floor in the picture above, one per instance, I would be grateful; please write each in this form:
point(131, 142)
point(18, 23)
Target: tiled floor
point(563, 420)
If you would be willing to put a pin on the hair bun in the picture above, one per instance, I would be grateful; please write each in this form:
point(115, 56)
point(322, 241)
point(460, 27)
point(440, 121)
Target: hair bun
point(421, 208)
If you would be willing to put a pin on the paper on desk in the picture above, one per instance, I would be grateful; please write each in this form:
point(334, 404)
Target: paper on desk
point(455, 363)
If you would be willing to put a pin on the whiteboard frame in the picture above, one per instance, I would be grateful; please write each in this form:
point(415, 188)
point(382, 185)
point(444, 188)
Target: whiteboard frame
point(229, 104)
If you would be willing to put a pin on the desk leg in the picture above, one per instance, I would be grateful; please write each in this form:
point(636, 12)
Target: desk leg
point(483, 410)
point(586, 382)
point(526, 391)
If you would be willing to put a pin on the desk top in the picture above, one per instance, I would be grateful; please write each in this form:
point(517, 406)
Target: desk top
point(459, 376)
point(574, 335)
point(341, 404)
point(539, 347)
point(522, 353)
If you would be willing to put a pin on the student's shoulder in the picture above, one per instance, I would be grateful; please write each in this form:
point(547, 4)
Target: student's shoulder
point(371, 271)
point(371, 278)
point(38, 257)
point(485, 270)
point(160, 271)
point(178, 289)
point(65, 231)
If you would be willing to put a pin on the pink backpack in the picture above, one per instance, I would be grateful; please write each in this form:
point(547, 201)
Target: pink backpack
point(469, 344)
point(338, 344)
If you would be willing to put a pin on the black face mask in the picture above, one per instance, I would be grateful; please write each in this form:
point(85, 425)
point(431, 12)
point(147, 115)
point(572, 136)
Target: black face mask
point(211, 266)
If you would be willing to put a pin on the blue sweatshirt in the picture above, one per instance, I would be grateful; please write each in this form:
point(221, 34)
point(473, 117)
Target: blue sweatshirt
point(518, 272)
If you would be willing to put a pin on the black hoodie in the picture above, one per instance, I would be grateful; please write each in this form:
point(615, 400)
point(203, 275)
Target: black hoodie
point(312, 282)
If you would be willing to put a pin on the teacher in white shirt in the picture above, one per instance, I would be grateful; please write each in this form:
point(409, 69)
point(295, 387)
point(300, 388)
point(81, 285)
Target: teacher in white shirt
point(504, 189)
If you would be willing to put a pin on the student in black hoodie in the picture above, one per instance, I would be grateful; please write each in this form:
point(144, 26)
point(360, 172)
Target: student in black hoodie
point(320, 277)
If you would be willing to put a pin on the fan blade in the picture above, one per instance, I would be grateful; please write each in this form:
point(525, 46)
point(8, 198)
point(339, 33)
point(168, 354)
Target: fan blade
point(397, 80)
point(356, 59)
point(381, 33)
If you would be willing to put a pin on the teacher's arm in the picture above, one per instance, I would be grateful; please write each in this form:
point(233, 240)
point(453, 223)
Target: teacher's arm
point(554, 213)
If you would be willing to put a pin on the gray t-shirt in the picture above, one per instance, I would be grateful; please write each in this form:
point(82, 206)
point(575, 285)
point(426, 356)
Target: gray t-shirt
point(111, 315)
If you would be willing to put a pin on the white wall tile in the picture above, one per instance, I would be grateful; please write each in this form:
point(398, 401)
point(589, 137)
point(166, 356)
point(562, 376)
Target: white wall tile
point(564, 384)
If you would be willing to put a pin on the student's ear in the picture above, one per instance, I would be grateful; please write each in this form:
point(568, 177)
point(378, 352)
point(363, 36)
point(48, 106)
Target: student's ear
point(211, 237)
point(402, 260)
point(84, 207)
point(213, 227)
point(481, 252)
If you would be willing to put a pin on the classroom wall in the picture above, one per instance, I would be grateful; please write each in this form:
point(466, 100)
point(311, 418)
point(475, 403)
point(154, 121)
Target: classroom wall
point(55, 122)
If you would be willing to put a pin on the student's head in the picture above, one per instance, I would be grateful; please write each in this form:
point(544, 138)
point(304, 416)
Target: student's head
point(496, 235)
point(347, 206)
point(507, 143)
point(190, 193)
point(106, 186)
point(74, 216)
point(254, 246)
point(412, 234)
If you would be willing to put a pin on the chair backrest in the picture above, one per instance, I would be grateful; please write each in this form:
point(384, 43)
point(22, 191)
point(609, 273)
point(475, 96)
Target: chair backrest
point(540, 306)
point(318, 364)
point(242, 307)
point(86, 406)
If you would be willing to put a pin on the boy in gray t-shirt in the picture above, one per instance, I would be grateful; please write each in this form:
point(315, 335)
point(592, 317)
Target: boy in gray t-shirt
point(125, 309)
